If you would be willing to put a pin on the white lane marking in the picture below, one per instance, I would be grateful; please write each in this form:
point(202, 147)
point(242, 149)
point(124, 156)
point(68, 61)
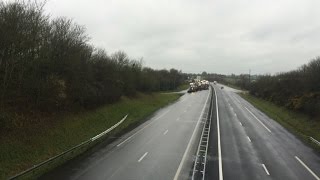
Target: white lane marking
point(237, 99)
point(219, 141)
point(240, 123)
point(305, 166)
point(165, 132)
point(265, 169)
point(142, 129)
point(176, 176)
point(178, 119)
point(235, 114)
point(144, 155)
point(162, 115)
point(249, 139)
point(258, 120)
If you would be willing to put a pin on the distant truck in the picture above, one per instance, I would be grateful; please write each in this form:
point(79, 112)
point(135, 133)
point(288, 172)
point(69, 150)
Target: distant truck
point(192, 88)
point(198, 85)
point(204, 85)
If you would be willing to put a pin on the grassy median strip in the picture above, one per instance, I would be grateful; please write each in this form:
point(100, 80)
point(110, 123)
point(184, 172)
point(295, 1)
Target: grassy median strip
point(23, 149)
point(299, 124)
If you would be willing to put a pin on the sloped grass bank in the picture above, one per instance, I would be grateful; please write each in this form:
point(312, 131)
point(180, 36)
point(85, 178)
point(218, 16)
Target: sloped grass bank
point(26, 147)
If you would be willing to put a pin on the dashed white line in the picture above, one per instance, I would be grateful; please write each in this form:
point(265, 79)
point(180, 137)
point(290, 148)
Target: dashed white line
point(144, 155)
point(249, 139)
point(165, 132)
point(176, 176)
point(305, 166)
point(265, 169)
point(237, 99)
point(258, 120)
point(235, 114)
point(142, 129)
point(240, 123)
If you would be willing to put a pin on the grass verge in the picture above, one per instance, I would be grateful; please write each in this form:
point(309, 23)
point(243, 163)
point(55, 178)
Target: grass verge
point(299, 124)
point(31, 145)
point(178, 89)
point(182, 87)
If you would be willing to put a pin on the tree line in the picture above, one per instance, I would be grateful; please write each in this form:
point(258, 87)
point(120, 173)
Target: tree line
point(48, 64)
point(298, 90)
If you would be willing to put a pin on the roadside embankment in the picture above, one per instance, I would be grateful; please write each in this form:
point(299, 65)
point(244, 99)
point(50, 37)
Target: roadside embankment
point(23, 148)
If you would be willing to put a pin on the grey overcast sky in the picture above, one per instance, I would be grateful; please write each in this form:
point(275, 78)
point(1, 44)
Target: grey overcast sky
point(219, 36)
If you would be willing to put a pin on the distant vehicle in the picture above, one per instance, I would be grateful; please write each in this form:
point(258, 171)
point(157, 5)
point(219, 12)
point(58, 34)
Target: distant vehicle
point(221, 87)
point(192, 88)
point(198, 85)
point(214, 82)
point(204, 84)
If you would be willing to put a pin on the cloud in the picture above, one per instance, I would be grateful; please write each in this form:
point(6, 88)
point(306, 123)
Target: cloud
point(222, 36)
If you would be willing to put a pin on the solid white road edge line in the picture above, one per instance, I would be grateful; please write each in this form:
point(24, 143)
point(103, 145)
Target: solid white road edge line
point(176, 176)
point(249, 139)
point(219, 141)
point(305, 166)
point(258, 120)
point(142, 129)
point(237, 99)
point(144, 155)
point(162, 115)
point(165, 132)
point(265, 169)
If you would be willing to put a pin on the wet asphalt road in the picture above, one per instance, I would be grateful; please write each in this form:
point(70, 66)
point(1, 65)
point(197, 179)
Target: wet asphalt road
point(157, 149)
point(252, 146)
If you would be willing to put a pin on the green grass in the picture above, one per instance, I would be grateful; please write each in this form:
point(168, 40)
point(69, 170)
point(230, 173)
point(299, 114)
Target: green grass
point(300, 124)
point(22, 149)
point(182, 87)
point(178, 89)
point(231, 84)
point(234, 87)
